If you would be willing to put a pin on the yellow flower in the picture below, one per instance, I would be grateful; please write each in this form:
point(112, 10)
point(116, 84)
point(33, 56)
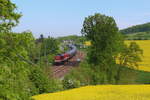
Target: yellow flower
point(101, 92)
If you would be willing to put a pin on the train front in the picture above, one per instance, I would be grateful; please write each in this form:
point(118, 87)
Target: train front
point(60, 58)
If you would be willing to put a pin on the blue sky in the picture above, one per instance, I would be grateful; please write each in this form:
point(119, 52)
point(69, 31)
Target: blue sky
point(65, 17)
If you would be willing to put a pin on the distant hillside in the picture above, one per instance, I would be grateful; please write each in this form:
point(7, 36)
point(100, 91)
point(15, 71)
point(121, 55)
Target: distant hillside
point(138, 36)
point(137, 28)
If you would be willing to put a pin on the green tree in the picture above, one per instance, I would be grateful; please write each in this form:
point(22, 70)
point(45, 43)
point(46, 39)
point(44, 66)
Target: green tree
point(103, 33)
point(49, 48)
point(14, 62)
point(130, 56)
point(16, 46)
point(19, 78)
point(106, 42)
point(8, 15)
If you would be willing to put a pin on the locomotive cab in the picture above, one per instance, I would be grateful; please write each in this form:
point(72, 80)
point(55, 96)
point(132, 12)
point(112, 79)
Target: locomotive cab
point(66, 56)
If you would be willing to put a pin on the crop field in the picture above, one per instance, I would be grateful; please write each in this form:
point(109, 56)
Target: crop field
point(101, 92)
point(145, 45)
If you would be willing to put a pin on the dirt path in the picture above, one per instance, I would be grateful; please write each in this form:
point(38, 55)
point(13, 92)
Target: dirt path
point(61, 70)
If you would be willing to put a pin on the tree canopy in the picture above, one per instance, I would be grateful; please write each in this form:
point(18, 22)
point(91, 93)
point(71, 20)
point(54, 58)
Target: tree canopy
point(103, 33)
point(8, 15)
point(106, 42)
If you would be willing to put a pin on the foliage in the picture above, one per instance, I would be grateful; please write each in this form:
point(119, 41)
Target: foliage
point(104, 36)
point(143, 44)
point(42, 82)
point(69, 83)
point(130, 55)
point(137, 28)
point(20, 78)
point(15, 46)
point(8, 15)
point(44, 51)
point(49, 46)
point(79, 77)
point(14, 82)
point(14, 64)
point(106, 42)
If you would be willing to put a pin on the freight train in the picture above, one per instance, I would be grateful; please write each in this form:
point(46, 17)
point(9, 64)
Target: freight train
point(61, 58)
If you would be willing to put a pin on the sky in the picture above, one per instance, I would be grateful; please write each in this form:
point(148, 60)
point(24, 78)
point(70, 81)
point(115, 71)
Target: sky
point(65, 17)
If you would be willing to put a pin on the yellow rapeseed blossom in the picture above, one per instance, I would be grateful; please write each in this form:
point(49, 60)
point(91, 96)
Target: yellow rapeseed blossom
point(145, 45)
point(87, 43)
point(101, 92)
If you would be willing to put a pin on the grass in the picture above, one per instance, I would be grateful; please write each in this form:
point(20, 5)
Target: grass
point(132, 76)
point(143, 77)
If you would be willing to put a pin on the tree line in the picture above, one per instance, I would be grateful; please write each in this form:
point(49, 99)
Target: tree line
point(137, 28)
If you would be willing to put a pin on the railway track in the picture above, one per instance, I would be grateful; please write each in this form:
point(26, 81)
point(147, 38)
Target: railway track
point(61, 70)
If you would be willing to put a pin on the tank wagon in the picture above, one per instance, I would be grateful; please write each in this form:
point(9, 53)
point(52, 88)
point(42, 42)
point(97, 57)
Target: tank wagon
point(60, 58)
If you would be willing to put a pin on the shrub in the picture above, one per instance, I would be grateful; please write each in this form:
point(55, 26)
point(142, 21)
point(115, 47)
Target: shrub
point(42, 81)
point(69, 83)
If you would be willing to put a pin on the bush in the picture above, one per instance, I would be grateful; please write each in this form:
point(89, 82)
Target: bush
point(79, 77)
point(69, 83)
point(42, 81)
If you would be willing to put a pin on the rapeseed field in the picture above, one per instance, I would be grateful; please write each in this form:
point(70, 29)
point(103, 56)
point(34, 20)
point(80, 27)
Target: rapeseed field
point(101, 92)
point(145, 45)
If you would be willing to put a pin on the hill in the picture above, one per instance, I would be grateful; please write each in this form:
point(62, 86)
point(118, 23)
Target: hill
point(137, 28)
point(137, 32)
point(138, 36)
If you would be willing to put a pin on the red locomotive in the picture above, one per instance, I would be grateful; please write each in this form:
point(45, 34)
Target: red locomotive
point(60, 58)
